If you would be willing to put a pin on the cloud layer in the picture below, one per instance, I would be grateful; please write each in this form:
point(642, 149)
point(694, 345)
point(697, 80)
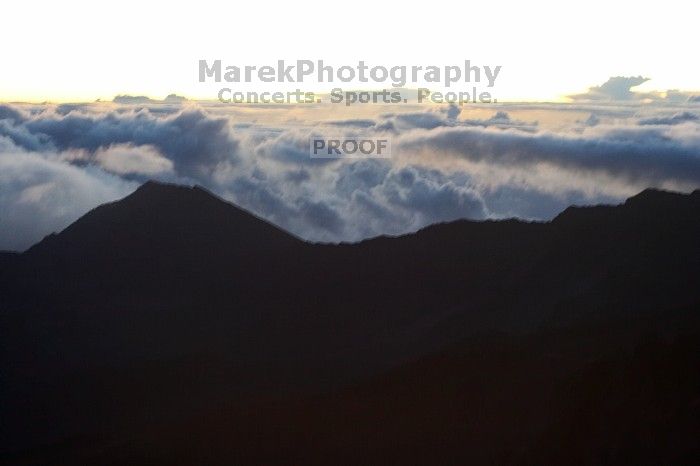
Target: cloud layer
point(57, 162)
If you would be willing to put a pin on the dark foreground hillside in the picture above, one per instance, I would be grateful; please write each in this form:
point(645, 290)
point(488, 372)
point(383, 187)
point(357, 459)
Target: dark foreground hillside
point(173, 328)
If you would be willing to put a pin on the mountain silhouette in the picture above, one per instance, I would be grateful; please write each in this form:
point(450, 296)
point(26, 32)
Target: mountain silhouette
point(161, 216)
point(173, 314)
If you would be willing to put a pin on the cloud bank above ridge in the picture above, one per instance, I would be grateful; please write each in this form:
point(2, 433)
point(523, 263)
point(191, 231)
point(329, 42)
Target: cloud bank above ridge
point(57, 162)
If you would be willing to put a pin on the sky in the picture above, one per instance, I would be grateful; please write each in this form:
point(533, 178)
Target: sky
point(597, 102)
point(76, 51)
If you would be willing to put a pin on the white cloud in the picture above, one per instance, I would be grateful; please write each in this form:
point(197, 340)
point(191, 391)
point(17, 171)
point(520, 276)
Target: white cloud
point(58, 162)
point(41, 194)
point(127, 159)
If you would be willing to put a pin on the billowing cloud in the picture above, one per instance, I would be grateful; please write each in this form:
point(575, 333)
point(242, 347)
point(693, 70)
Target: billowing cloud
point(195, 143)
point(40, 194)
point(670, 120)
point(500, 120)
point(615, 88)
point(649, 155)
point(620, 89)
point(127, 159)
point(529, 161)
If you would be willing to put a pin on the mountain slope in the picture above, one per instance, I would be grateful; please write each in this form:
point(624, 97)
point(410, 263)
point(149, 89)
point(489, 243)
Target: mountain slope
point(175, 300)
point(157, 216)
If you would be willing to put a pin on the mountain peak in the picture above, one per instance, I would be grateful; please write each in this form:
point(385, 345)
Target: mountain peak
point(649, 204)
point(158, 190)
point(152, 187)
point(159, 215)
point(654, 196)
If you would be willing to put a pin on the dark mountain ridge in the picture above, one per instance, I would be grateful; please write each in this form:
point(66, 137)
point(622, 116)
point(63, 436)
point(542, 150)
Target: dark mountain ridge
point(173, 297)
point(180, 250)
